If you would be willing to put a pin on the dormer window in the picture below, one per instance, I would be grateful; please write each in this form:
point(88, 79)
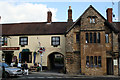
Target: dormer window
point(92, 19)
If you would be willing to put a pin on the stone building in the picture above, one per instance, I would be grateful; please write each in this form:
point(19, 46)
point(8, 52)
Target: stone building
point(89, 45)
point(92, 44)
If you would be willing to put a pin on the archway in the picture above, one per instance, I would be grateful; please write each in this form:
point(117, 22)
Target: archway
point(56, 62)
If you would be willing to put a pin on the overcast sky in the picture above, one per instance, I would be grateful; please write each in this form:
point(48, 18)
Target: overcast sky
point(15, 11)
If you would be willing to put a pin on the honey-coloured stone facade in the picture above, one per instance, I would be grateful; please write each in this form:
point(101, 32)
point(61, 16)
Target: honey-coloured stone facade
point(99, 52)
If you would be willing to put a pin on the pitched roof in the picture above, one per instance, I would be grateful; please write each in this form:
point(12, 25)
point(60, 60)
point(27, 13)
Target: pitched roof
point(35, 28)
point(82, 15)
point(117, 26)
point(111, 26)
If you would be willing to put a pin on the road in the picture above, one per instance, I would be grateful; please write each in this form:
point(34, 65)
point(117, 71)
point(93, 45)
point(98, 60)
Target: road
point(60, 76)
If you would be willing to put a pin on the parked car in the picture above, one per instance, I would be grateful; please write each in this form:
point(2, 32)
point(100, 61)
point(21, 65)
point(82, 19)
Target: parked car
point(10, 71)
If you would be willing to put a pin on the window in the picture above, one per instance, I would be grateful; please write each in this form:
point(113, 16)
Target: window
point(93, 61)
point(3, 41)
point(87, 61)
point(106, 38)
point(92, 20)
point(55, 41)
point(23, 40)
point(98, 37)
point(93, 37)
point(99, 61)
point(87, 38)
point(90, 37)
point(77, 37)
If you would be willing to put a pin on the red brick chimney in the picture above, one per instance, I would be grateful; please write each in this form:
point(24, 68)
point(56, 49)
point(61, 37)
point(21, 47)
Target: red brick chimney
point(70, 14)
point(109, 15)
point(49, 16)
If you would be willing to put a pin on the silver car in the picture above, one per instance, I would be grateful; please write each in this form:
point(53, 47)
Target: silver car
point(10, 71)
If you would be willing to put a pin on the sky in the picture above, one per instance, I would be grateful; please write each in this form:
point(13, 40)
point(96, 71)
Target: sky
point(17, 11)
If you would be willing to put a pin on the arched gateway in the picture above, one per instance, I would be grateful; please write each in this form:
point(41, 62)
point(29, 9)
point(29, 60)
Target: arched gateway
point(55, 61)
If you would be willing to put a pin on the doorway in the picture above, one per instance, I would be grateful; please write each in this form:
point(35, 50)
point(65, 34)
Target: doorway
point(109, 66)
point(26, 56)
point(56, 62)
point(8, 56)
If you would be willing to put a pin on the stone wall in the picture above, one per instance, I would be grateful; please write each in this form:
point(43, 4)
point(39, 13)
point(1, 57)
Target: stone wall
point(76, 63)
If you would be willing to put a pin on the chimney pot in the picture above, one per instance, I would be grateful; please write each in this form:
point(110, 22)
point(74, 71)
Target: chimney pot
point(70, 14)
point(69, 7)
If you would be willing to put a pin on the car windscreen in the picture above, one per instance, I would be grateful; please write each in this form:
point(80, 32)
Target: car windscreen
point(4, 64)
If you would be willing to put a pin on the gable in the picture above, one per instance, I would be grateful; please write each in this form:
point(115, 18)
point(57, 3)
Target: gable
point(92, 15)
point(83, 20)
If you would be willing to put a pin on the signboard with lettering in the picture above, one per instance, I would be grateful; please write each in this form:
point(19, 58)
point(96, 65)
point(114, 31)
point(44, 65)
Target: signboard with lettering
point(9, 48)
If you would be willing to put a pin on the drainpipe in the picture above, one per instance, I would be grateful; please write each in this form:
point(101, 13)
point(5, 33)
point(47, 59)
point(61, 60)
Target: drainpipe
point(119, 57)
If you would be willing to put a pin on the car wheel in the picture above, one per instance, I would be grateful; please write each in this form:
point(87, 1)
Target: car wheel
point(7, 75)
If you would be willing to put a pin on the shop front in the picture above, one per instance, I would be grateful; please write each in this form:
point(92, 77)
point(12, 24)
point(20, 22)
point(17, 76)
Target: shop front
point(8, 54)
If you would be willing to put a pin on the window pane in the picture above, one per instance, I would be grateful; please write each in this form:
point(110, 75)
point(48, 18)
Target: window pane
point(87, 38)
point(22, 43)
point(57, 38)
point(53, 38)
point(77, 37)
point(94, 37)
point(98, 37)
point(22, 39)
point(91, 61)
point(107, 38)
point(25, 39)
point(93, 19)
point(90, 37)
point(90, 20)
point(99, 61)
point(55, 41)
point(87, 61)
point(95, 61)
point(25, 43)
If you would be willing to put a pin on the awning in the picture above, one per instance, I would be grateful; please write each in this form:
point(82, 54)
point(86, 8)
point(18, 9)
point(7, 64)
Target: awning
point(25, 50)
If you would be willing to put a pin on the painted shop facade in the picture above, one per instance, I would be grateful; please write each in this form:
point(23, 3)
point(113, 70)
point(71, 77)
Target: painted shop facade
point(87, 46)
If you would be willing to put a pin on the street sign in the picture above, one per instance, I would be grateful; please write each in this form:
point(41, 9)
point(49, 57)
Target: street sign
point(41, 50)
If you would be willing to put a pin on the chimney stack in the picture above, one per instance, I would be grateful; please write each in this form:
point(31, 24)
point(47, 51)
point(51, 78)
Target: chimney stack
point(49, 16)
point(70, 14)
point(109, 15)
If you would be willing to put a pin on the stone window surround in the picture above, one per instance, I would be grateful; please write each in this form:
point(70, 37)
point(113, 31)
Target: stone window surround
point(92, 19)
point(90, 38)
point(94, 64)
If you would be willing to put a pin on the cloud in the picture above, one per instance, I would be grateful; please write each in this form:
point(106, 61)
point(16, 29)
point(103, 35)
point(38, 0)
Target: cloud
point(25, 12)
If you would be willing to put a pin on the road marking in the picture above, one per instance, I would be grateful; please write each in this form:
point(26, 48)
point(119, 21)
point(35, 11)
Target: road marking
point(50, 77)
point(30, 77)
point(40, 77)
point(59, 77)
